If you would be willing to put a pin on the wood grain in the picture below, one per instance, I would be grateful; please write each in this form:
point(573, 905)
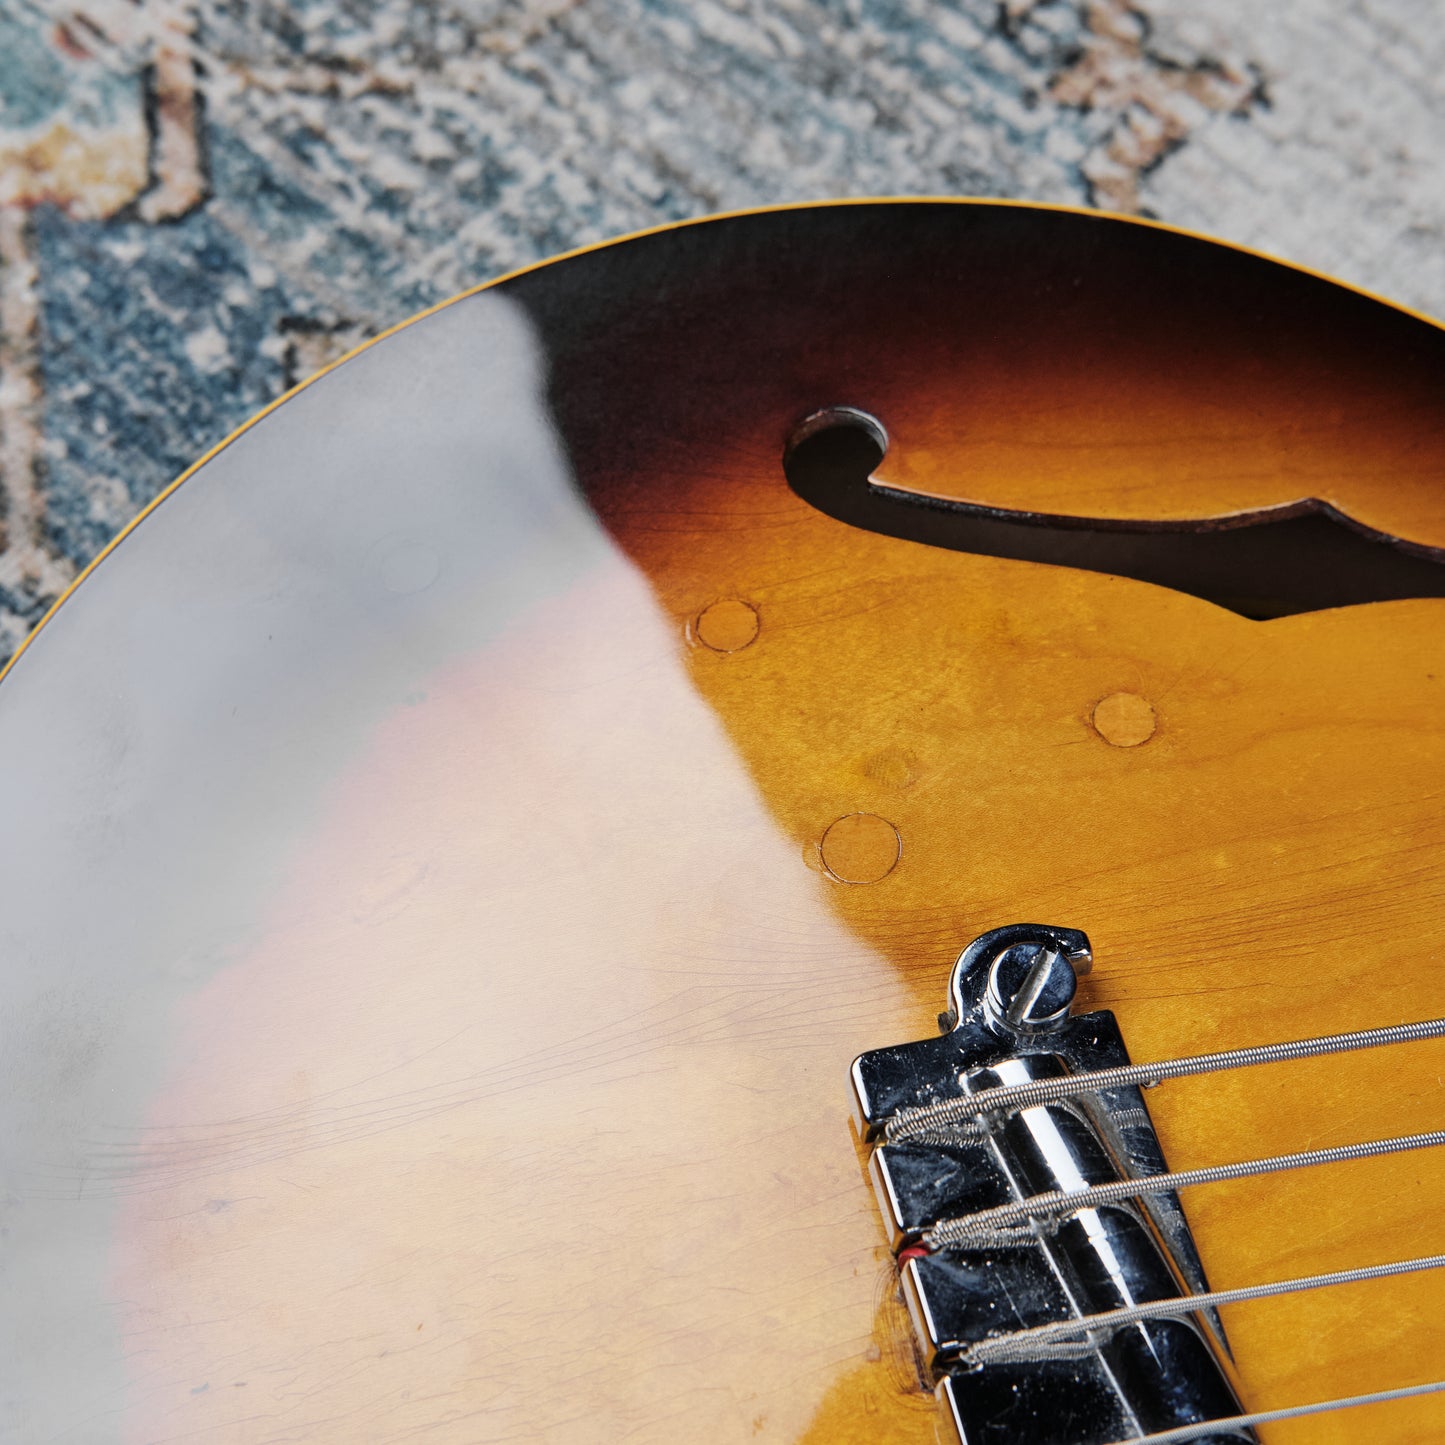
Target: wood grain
point(1266, 864)
point(521, 1113)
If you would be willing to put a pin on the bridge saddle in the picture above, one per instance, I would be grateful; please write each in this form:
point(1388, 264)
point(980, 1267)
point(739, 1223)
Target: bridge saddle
point(943, 1151)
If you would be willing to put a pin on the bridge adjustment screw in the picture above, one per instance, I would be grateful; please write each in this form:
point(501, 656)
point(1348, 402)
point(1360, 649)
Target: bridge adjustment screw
point(1030, 988)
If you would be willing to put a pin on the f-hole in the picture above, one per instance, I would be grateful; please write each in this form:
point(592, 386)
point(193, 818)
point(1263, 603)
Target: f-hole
point(1274, 563)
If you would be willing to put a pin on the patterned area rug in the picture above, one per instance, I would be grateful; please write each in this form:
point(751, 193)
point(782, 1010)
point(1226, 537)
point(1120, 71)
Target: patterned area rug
point(199, 205)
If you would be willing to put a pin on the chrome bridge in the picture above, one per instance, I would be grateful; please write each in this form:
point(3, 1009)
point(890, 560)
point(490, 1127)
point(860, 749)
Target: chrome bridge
point(1016, 1306)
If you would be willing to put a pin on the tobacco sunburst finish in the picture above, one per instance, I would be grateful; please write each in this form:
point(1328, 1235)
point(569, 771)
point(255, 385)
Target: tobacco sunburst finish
point(485, 1051)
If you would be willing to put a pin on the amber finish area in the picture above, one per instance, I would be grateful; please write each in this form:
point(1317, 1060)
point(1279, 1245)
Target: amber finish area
point(448, 1037)
point(1245, 816)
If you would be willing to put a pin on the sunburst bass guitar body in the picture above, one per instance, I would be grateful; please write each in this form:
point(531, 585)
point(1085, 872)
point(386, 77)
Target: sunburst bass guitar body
point(458, 843)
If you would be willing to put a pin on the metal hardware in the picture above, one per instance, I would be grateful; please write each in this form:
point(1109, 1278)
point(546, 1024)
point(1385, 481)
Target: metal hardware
point(1030, 987)
point(1009, 1027)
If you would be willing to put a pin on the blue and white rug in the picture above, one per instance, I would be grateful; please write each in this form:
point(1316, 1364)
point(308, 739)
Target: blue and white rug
point(200, 204)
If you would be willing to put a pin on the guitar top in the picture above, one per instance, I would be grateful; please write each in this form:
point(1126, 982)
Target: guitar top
point(459, 842)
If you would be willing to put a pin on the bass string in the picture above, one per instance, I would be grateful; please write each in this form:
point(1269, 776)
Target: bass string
point(1205, 1428)
point(1003, 1218)
point(964, 1112)
point(1023, 1345)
